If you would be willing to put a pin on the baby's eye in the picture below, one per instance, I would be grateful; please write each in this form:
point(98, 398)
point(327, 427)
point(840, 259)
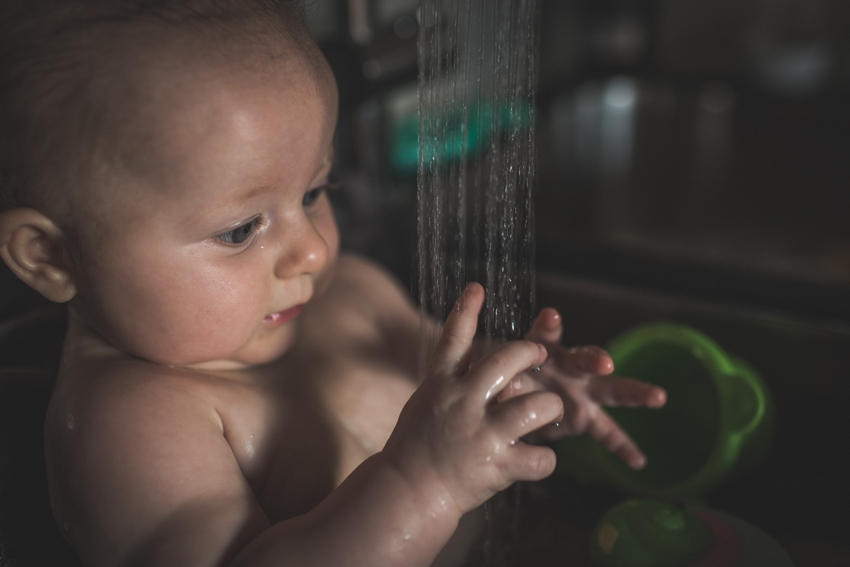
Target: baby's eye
point(239, 234)
point(312, 196)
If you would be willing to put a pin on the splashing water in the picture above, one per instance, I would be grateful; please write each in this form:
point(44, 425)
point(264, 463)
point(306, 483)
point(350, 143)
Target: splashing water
point(477, 82)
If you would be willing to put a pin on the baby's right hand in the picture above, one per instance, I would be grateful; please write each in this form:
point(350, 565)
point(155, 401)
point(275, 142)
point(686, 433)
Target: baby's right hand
point(452, 439)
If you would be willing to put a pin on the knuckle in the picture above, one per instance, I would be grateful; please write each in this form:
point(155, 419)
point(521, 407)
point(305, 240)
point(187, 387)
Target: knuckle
point(528, 410)
point(499, 357)
point(510, 354)
point(452, 335)
point(555, 402)
point(517, 348)
point(579, 417)
point(531, 347)
point(542, 463)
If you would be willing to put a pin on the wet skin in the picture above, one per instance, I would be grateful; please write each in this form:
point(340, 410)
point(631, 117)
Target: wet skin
point(232, 392)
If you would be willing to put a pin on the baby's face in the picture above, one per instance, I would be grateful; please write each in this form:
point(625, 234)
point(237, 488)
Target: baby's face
point(205, 244)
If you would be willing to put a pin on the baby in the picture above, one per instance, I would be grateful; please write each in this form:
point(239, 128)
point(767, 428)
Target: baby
point(233, 390)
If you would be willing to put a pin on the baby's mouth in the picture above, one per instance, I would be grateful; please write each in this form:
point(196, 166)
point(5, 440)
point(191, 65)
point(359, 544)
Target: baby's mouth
point(283, 316)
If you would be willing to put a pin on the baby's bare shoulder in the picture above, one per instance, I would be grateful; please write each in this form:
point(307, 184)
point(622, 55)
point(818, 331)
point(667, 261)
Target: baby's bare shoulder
point(130, 435)
point(119, 390)
point(102, 410)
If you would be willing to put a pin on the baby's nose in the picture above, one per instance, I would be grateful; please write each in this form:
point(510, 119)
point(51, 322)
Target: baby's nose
point(305, 252)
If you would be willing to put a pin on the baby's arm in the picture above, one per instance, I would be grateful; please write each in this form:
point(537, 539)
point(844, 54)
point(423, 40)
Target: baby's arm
point(452, 449)
point(155, 481)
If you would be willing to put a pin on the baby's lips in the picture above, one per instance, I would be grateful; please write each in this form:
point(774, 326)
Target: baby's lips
point(284, 316)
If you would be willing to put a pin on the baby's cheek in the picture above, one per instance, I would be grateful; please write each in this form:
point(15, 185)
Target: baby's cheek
point(189, 328)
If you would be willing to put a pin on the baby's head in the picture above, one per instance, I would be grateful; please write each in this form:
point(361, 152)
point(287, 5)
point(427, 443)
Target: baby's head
point(163, 170)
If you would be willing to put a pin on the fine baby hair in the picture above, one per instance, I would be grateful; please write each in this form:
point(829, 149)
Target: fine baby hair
point(67, 73)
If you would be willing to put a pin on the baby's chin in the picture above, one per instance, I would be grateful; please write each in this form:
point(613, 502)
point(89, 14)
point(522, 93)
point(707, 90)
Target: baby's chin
point(258, 353)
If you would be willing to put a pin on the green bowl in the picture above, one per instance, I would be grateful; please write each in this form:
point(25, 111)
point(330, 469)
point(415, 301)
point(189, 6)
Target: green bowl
point(658, 533)
point(648, 533)
point(718, 420)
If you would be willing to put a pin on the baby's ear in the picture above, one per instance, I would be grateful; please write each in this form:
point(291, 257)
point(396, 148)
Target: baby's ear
point(34, 249)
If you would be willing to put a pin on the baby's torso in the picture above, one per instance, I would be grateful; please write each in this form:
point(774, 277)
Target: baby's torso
point(297, 429)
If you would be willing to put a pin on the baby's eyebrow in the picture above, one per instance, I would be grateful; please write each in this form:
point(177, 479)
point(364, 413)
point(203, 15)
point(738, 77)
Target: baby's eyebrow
point(329, 158)
point(256, 192)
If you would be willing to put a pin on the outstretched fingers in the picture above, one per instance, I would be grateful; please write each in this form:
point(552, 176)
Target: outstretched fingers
point(608, 434)
point(578, 361)
point(454, 349)
point(626, 392)
point(546, 328)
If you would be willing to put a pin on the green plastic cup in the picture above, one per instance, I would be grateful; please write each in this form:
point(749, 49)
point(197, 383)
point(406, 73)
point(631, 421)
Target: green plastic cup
point(718, 420)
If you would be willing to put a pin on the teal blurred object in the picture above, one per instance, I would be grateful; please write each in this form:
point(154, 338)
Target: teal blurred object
point(656, 533)
point(461, 132)
point(718, 420)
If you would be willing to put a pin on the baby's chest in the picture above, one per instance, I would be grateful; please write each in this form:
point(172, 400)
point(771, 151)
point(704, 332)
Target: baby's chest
point(302, 442)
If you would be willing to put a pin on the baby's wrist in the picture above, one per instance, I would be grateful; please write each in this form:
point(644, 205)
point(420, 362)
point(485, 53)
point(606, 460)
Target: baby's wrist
point(425, 488)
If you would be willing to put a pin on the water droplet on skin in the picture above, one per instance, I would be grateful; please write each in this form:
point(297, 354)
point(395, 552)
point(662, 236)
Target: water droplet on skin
point(494, 388)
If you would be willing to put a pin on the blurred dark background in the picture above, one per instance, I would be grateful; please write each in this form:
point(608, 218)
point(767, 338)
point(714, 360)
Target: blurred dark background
point(693, 165)
point(693, 147)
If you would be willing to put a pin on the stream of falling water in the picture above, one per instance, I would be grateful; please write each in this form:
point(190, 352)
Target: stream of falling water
point(477, 82)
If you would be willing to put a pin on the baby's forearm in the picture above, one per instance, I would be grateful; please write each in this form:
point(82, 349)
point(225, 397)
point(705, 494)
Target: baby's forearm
point(375, 517)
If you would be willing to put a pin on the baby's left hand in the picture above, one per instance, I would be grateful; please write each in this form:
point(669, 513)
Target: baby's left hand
point(582, 377)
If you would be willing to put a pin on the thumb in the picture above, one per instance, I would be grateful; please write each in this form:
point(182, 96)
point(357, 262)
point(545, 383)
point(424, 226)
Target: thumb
point(454, 349)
